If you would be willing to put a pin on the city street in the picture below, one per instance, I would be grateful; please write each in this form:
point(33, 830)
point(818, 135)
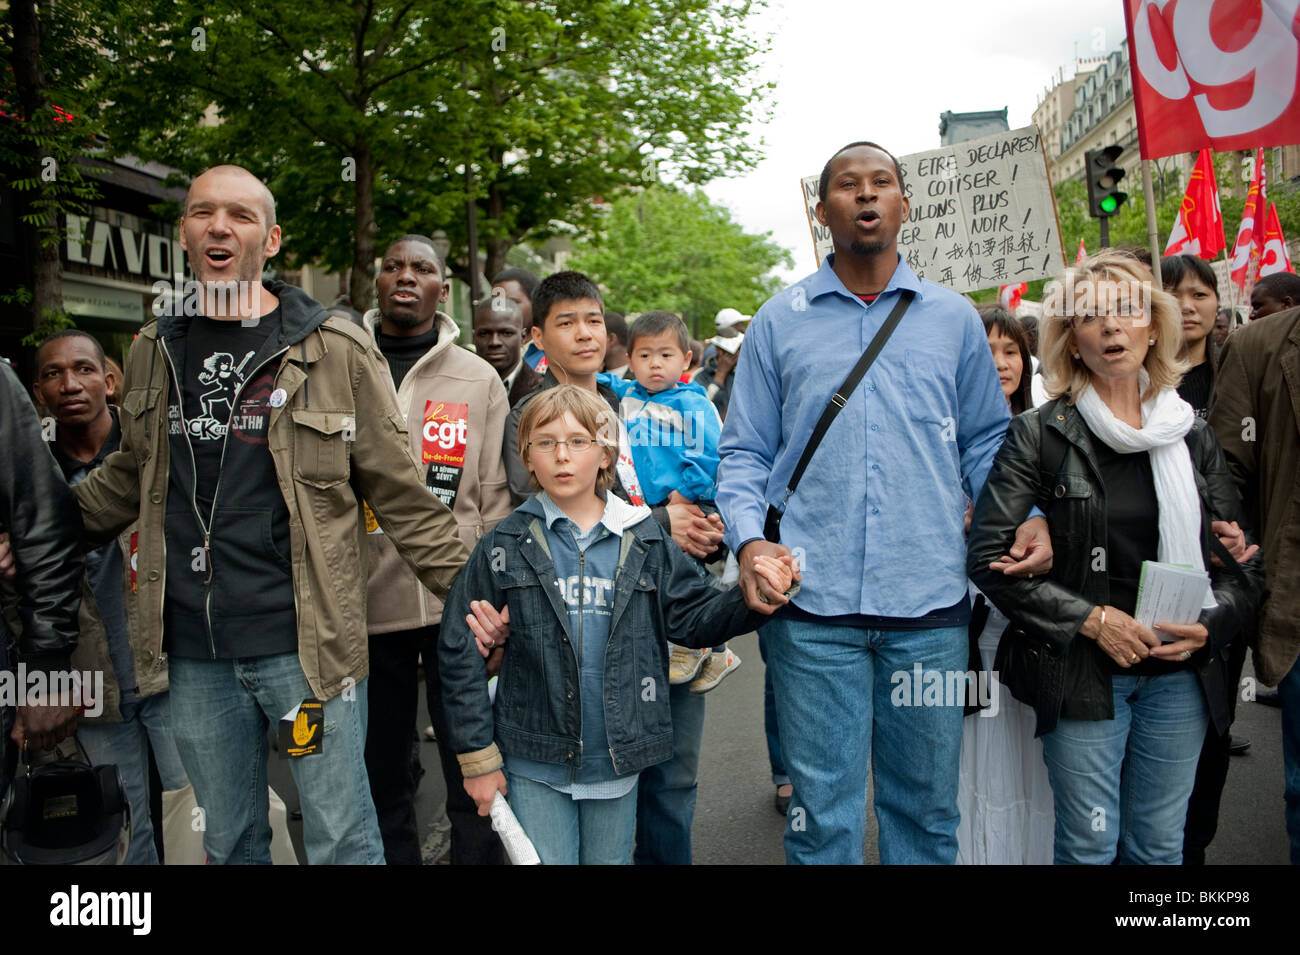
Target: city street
point(735, 823)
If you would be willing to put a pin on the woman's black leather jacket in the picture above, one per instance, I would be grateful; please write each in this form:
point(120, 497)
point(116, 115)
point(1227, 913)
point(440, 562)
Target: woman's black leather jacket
point(1048, 460)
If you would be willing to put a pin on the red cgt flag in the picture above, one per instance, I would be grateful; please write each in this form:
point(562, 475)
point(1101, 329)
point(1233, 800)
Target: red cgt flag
point(1198, 230)
point(1249, 247)
point(1217, 73)
point(1275, 258)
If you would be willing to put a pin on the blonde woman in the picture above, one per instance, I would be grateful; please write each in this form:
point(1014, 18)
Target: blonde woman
point(1125, 473)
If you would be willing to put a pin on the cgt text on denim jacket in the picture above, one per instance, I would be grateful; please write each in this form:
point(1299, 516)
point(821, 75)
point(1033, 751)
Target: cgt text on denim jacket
point(659, 594)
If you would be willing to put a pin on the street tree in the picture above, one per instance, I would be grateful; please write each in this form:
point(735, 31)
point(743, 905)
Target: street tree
point(674, 249)
point(377, 117)
point(48, 122)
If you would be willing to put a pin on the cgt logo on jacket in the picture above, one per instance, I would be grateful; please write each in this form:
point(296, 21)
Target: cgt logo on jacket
point(444, 438)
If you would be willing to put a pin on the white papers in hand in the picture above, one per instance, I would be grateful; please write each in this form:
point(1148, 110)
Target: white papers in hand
point(1169, 593)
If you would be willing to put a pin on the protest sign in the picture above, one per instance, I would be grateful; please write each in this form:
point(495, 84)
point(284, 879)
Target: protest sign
point(982, 213)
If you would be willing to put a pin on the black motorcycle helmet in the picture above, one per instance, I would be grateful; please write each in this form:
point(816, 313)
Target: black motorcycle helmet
point(65, 812)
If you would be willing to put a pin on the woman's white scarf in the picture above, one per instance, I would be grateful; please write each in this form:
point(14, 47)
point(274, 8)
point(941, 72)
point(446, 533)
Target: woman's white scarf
point(1166, 419)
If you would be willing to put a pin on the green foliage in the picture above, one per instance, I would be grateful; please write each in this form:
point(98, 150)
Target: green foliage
point(552, 104)
point(667, 248)
point(1129, 227)
point(48, 125)
point(52, 320)
point(1232, 195)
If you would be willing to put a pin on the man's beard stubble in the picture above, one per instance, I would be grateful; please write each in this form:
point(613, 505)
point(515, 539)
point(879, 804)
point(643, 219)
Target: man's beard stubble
point(859, 247)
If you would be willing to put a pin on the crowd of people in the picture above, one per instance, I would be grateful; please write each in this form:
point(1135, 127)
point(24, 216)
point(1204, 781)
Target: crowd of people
point(937, 518)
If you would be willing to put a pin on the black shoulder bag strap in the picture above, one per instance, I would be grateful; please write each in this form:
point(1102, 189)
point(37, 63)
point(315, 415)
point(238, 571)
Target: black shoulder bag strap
point(772, 526)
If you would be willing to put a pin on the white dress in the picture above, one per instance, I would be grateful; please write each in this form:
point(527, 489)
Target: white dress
point(1003, 792)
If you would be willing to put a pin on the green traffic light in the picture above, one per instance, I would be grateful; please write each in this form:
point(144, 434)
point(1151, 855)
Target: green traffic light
point(1109, 204)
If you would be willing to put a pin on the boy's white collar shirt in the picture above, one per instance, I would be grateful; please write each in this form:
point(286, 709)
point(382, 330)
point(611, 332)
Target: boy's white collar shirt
point(616, 518)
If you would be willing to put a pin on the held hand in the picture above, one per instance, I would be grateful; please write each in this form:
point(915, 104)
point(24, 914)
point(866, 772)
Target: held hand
point(490, 628)
point(795, 570)
point(694, 533)
point(8, 570)
point(778, 572)
point(1189, 638)
point(1031, 553)
point(1124, 639)
point(482, 789)
point(760, 595)
point(1233, 538)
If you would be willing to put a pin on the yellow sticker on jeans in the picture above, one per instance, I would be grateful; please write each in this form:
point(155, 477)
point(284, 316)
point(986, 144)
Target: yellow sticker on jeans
point(304, 735)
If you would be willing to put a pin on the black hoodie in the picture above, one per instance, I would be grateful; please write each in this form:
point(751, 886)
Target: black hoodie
point(229, 574)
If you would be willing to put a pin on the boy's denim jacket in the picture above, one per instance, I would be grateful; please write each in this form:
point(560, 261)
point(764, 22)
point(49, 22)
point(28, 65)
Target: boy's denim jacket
point(659, 593)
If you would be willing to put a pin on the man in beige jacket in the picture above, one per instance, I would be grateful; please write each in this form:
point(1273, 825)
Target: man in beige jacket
point(455, 408)
point(253, 425)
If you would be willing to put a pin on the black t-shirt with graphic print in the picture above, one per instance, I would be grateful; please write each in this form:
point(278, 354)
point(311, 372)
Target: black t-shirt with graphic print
point(219, 358)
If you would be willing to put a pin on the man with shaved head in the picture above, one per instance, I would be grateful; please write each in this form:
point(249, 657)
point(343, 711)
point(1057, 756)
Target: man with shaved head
point(251, 433)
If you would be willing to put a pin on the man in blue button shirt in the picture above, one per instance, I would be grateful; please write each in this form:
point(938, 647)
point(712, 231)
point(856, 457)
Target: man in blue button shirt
point(876, 523)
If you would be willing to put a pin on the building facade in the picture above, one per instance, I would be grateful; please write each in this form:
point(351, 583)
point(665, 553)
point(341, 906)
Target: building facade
point(963, 127)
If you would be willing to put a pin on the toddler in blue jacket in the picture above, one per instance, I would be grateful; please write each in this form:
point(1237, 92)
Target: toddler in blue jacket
point(670, 431)
point(593, 587)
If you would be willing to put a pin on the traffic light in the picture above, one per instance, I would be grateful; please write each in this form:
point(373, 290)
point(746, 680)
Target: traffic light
point(1104, 195)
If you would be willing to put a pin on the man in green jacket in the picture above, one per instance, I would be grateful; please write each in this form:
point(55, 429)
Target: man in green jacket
point(251, 432)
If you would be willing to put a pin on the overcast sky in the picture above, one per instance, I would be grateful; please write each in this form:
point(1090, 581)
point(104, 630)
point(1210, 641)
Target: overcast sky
point(884, 70)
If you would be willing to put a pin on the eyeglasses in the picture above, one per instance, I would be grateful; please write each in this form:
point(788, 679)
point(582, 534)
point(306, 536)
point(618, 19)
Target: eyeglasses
point(576, 445)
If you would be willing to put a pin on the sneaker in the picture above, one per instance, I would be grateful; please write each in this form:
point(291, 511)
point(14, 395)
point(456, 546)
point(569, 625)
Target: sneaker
point(718, 665)
point(1238, 745)
point(684, 664)
point(430, 735)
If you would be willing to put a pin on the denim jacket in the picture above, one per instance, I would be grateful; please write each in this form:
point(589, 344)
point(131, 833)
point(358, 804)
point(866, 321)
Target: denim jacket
point(659, 594)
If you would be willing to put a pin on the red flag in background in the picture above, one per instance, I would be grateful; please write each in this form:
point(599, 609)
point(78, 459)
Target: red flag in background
point(1217, 73)
point(1083, 254)
point(1009, 296)
point(1249, 247)
point(1198, 230)
point(1274, 258)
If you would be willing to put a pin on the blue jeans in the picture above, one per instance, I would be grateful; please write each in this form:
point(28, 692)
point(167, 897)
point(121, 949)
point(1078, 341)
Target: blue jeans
point(665, 806)
point(836, 691)
point(771, 726)
point(145, 723)
point(1289, 692)
point(220, 713)
point(1122, 785)
point(568, 831)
